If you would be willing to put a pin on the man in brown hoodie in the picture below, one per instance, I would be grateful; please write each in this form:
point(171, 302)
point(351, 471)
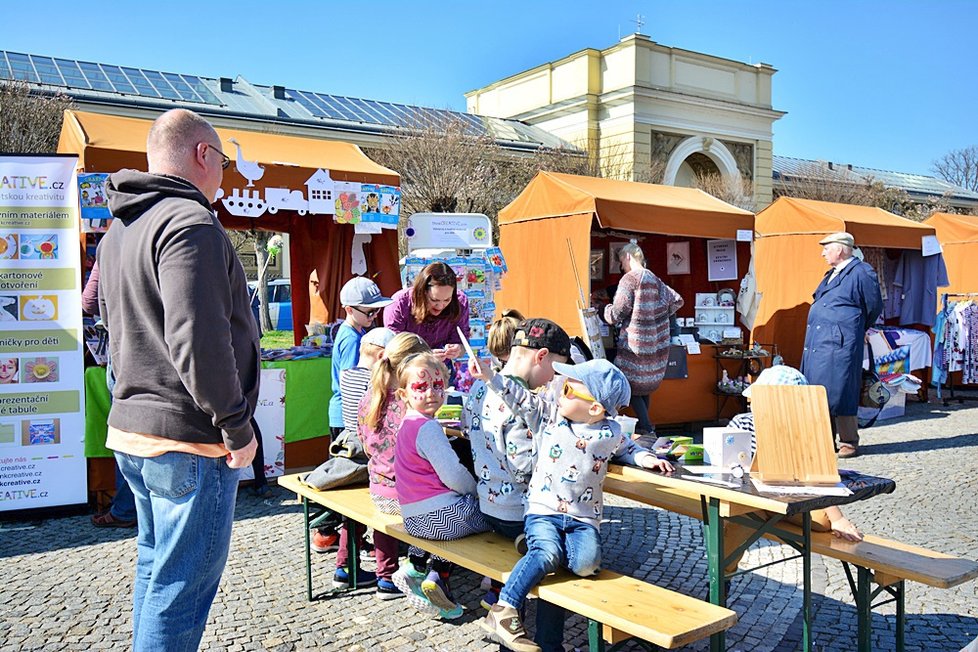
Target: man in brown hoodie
point(186, 355)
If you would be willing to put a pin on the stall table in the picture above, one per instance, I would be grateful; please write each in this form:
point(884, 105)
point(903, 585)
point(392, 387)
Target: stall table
point(738, 503)
point(308, 386)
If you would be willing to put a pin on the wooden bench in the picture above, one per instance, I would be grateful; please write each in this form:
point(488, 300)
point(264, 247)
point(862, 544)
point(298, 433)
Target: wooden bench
point(886, 563)
point(617, 607)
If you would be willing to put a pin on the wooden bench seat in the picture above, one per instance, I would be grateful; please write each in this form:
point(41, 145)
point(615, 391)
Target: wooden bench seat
point(888, 564)
point(626, 607)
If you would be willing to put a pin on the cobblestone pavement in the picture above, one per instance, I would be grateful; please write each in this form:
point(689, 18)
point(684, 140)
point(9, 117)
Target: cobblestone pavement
point(67, 585)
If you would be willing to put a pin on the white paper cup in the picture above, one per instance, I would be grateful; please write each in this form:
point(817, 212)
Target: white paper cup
point(627, 425)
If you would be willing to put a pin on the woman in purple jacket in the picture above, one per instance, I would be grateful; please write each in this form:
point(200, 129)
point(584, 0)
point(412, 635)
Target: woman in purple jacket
point(432, 308)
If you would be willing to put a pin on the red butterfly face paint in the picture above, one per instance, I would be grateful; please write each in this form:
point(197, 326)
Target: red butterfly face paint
point(425, 390)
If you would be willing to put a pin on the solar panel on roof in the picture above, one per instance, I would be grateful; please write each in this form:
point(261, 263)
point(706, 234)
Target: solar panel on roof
point(72, 73)
point(118, 79)
point(21, 67)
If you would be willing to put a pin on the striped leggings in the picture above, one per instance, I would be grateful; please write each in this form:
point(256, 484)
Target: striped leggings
point(460, 519)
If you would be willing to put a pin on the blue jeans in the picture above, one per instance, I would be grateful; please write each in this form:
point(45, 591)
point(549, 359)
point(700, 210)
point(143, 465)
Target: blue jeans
point(185, 507)
point(123, 505)
point(550, 618)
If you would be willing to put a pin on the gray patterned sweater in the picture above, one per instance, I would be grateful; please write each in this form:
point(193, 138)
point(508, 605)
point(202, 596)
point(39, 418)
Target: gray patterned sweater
point(570, 459)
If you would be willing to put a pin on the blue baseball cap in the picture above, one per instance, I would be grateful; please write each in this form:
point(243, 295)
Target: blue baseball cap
point(605, 382)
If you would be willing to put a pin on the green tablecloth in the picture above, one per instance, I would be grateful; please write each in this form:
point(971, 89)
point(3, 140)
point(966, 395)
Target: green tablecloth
point(308, 386)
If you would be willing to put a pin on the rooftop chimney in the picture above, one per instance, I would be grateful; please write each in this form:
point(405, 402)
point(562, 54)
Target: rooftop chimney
point(278, 92)
point(227, 85)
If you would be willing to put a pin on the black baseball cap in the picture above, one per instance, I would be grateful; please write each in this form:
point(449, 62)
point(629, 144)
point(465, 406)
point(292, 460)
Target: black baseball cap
point(542, 334)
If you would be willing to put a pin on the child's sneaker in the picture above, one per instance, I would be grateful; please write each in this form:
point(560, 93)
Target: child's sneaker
point(521, 545)
point(341, 579)
point(437, 591)
point(489, 599)
point(451, 614)
point(324, 542)
point(386, 590)
point(504, 626)
point(408, 580)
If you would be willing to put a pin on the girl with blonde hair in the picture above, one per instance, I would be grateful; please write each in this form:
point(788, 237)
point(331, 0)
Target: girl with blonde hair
point(379, 417)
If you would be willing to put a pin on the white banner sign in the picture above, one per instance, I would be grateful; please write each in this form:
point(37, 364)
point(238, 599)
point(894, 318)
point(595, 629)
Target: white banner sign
point(270, 415)
point(42, 425)
point(721, 260)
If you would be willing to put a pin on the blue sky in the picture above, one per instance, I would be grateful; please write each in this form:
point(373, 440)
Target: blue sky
point(884, 84)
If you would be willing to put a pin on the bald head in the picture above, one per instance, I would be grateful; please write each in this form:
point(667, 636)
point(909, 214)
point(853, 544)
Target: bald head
point(179, 144)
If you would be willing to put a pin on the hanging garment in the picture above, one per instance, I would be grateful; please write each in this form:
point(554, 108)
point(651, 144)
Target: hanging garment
point(917, 278)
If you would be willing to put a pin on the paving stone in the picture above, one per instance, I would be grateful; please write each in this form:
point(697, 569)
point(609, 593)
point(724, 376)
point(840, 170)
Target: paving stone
point(261, 604)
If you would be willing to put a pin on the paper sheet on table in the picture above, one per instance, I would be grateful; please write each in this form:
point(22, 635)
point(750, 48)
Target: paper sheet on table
point(692, 346)
point(705, 469)
point(837, 490)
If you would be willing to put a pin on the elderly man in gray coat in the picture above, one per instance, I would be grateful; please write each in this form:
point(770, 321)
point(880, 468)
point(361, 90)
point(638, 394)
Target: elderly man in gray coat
point(846, 303)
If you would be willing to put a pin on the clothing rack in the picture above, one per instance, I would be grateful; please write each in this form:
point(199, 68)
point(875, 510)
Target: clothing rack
point(948, 385)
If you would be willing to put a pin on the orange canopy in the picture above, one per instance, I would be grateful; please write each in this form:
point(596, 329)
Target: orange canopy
point(108, 143)
point(958, 235)
point(788, 265)
point(628, 206)
point(557, 212)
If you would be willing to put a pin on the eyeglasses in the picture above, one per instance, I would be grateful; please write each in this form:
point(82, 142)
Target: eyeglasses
point(367, 313)
point(570, 392)
point(226, 163)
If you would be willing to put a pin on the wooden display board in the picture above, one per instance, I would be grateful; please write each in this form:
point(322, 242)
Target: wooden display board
point(794, 435)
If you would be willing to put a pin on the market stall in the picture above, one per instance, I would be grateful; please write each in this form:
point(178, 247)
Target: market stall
point(308, 188)
point(788, 264)
point(958, 235)
point(560, 217)
point(340, 208)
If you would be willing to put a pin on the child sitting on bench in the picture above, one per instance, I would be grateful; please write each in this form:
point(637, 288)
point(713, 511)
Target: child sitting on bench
point(436, 493)
point(574, 438)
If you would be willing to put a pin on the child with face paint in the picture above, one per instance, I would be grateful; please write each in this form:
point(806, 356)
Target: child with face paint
point(436, 493)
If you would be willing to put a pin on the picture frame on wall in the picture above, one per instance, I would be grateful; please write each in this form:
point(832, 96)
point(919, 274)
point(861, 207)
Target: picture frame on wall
point(677, 258)
point(597, 265)
point(614, 257)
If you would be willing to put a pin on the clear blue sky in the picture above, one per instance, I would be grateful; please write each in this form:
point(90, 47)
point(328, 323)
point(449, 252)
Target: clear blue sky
point(885, 84)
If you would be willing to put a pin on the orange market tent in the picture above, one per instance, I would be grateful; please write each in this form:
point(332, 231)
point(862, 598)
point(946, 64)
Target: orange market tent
point(107, 143)
point(788, 265)
point(554, 208)
point(958, 235)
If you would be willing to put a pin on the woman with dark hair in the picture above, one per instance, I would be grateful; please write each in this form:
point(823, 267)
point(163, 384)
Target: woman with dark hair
point(431, 308)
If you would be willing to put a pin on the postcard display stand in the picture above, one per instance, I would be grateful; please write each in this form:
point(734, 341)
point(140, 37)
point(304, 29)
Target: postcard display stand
point(463, 241)
point(42, 425)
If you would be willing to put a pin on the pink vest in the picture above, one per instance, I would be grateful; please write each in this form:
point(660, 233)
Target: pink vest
point(416, 478)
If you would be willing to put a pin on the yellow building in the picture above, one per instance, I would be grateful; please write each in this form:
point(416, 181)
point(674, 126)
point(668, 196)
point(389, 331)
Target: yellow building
point(651, 112)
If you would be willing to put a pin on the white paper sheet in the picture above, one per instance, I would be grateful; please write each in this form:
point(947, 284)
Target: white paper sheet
point(837, 490)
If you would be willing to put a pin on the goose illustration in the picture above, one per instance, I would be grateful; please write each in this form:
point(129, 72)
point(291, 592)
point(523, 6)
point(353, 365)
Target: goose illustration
point(250, 170)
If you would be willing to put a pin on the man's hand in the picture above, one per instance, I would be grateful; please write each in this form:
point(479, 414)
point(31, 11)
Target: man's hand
point(242, 457)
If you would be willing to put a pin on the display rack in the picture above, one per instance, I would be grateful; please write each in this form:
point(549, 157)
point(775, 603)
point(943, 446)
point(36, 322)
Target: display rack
point(739, 361)
point(948, 385)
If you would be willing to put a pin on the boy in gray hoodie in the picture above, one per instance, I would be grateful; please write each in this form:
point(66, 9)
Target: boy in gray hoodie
point(502, 450)
point(575, 437)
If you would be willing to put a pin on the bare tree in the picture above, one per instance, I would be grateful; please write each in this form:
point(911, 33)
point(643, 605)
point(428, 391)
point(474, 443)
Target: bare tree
point(959, 167)
point(823, 182)
point(738, 191)
point(30, 122)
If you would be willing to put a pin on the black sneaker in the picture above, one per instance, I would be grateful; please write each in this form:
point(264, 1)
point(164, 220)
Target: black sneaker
point(521, 544)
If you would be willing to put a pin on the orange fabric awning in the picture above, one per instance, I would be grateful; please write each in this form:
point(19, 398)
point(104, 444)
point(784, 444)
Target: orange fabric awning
point(108, 143)
point(627, 206)
point(104, 141)
point(788, 265)
point(871, 227)
point(958, 235)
